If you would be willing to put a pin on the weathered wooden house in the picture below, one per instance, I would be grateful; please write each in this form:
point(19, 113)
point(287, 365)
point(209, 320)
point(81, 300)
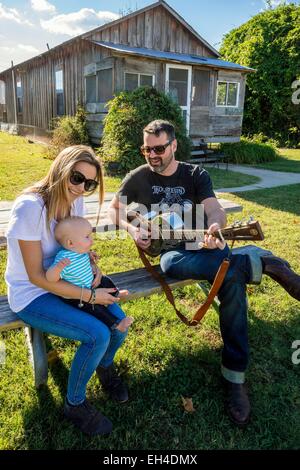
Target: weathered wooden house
point(152, 46)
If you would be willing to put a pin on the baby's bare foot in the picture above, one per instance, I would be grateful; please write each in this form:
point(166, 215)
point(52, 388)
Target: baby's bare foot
point(124, 324)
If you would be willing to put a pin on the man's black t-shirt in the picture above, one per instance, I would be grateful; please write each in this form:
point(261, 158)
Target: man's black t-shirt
point(188, 186)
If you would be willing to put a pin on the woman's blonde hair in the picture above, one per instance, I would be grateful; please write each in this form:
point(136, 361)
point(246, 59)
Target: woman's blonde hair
point(54, 187)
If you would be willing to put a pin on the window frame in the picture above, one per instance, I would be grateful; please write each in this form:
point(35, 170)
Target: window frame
point(227, 89)
point(139, 78)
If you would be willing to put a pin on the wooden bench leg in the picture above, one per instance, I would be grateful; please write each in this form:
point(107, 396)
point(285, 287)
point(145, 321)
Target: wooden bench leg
point(38, 356)
point(215, 303)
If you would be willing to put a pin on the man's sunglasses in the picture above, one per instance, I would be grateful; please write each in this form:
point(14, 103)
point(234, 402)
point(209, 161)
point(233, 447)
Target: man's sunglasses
point(157, 149)
point(78, 178)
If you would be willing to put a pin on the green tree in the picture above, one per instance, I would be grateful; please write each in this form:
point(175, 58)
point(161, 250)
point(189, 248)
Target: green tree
point(270, 43)
point(129, 113)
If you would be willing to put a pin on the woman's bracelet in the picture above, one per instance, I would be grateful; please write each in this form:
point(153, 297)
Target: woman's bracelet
point(80, 305)
point(90, 296)
point(93, 298)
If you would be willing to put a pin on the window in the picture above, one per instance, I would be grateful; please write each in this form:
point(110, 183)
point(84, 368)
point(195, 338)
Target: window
point(105, 92)
point(2, 92)
point(200, 90)
point(227, 94)
point(59, 91)
point(135, 80)
point(178, 85)
point(99, 87)
point(90, 89)
point(19, 96)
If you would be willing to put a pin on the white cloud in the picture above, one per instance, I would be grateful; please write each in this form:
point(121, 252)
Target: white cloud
point(28, 48)
point(42, 6)
point(78, 22)
point(12, 14)
point(16, 52)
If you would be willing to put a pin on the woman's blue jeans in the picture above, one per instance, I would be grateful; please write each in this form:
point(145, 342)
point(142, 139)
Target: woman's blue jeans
point(49, 313)
point(203, 264)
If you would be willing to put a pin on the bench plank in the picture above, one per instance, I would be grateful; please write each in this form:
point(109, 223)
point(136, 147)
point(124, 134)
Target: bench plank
point(8, 319)
point(141, 284)
point(138, 281)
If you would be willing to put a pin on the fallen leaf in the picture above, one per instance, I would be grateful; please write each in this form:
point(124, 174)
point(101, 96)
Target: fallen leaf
point(188, 404)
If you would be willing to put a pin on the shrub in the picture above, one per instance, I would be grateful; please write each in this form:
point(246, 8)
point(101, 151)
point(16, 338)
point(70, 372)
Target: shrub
point(129, 113)
point(250, 151)
point(68, 130)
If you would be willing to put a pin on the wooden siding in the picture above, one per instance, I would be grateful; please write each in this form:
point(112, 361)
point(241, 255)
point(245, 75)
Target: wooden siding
point(38, 83)
point(154, 29)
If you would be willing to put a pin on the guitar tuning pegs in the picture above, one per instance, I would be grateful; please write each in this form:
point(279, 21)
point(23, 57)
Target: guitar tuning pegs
point(237, 223)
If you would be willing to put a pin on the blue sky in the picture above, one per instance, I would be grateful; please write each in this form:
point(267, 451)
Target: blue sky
point(26, 26)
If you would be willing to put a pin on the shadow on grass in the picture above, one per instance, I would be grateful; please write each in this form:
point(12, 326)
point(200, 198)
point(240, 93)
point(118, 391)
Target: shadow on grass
point(41, 422)
point(154, 417)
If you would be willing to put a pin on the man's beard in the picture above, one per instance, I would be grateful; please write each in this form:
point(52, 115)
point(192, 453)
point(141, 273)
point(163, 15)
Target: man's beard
point(160, 165)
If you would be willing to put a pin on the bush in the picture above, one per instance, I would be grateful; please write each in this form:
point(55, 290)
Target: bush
point(68, 130)
point(129, 113)
point(250, 151)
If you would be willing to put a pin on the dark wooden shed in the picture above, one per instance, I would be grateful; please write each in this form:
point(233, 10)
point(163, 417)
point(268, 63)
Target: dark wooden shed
point(152, 46)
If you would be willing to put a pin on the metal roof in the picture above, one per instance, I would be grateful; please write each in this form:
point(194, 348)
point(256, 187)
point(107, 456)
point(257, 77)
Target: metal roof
point(173, 56)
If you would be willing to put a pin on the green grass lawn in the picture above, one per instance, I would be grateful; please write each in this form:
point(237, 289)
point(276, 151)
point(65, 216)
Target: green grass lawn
point(163, 360)
point(22, 163)
point(289, 161)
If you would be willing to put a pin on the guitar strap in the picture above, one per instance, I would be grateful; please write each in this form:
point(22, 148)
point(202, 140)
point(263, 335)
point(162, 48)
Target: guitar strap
point(211, 295)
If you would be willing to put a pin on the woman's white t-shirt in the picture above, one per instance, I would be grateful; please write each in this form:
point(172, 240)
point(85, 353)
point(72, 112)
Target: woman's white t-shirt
point(28, 222)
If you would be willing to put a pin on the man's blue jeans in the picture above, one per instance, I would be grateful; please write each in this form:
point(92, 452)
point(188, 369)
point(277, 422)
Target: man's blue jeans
point(49, 313)
point(204, 264)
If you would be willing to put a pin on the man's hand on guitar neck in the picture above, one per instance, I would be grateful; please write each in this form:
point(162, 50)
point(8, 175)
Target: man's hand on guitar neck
point(210, 241)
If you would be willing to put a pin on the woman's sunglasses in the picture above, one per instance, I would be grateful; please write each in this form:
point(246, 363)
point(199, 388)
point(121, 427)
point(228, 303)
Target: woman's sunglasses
point(78, 178)
point(157, 149)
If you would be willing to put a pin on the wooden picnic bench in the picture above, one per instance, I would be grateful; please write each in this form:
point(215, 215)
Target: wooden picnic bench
point(138, 281)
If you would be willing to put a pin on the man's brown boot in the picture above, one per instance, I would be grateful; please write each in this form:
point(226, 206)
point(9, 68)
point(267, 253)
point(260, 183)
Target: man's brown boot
point(237, 403)
point(279, 270)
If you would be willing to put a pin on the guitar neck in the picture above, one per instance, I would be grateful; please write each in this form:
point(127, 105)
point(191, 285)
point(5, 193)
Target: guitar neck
point(185, 235)
point(227, 233)
point(238, 231)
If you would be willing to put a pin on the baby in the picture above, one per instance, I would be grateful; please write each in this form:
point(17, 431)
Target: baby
point(73, 264)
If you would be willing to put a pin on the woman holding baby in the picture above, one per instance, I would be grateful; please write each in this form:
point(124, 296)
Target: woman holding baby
point(39, 302)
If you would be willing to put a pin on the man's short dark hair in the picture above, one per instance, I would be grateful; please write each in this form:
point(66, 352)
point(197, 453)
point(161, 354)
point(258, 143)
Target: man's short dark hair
point(158, 126)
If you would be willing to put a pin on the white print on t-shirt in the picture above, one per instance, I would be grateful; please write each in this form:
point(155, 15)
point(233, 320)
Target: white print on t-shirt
point(172, 196)
point(179, 190)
